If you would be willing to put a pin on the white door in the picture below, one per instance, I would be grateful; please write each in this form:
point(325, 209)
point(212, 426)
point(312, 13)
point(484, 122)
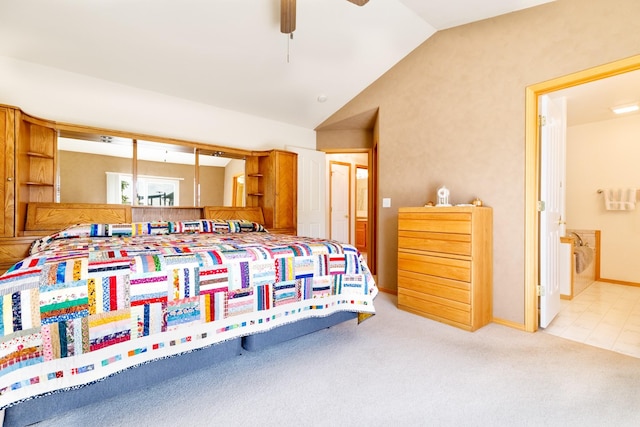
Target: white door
point(552, 195)
point(340, 185)
point(312, 192)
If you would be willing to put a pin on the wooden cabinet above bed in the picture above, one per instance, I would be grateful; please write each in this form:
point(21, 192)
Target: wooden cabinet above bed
point(28, 166)
point(7, 171)
point(272, 185)
point(31, 160)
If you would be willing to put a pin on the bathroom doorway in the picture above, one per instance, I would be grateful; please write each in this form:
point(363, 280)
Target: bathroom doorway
point(532, 171)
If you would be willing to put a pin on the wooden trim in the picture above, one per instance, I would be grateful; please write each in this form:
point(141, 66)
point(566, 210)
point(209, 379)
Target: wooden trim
point(388, 291)
point(571, 241)
point(509, 323)
point(253, 214)
point(532, 168)
point(597, 260)
point(619, 282)
point(51, 217)
point(45, 218)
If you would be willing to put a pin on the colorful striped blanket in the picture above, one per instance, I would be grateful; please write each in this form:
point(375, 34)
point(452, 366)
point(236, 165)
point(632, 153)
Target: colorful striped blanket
point(97, 299)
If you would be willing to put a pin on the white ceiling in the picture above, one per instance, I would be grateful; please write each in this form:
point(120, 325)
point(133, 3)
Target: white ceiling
point(230, 53)
point(592, 102)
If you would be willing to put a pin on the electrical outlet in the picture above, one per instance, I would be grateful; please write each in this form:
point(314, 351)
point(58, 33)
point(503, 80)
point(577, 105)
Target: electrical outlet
point(386, 202)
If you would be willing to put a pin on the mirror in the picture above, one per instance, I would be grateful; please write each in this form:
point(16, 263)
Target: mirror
point(165, 174)
point(86, 163)
point(219, 177)
point(162, 174)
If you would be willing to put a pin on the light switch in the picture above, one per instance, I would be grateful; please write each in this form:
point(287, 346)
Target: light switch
point(386, 202)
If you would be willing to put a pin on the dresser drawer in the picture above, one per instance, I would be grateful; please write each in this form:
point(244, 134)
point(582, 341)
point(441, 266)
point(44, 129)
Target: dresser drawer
point(448, 268)
point(436, 286)
point(434, 307)
point(458, 244)
point(435, 222)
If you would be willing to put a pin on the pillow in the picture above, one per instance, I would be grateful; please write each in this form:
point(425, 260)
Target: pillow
point(149, 228)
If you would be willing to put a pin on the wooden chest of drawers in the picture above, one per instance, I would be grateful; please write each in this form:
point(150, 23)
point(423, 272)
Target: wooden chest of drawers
point(445, 264)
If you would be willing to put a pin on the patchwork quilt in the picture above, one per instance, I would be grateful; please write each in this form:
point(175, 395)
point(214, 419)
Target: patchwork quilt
point(96, 299)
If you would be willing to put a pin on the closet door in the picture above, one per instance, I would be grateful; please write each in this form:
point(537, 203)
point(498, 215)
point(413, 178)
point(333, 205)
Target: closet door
point(278, 191)
point(36, 149)
point(285, 210)
point(7, 170)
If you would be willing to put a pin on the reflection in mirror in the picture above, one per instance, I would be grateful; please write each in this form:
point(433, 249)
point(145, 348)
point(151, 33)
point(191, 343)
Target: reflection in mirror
point(165, 175)
point(85, 163)
point(238, 191)
point(217, 172)
point(362, 179)
point(95, 168)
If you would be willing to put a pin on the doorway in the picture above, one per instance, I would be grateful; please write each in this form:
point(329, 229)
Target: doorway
point(532, 170)
point(361, 199)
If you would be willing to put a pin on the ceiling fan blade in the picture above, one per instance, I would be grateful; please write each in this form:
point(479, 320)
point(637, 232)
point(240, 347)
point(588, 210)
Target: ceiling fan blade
point(288, 16)
point(359, 2)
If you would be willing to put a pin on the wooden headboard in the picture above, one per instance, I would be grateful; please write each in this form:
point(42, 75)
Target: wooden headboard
point(46, 218)
point(253, 214)
point(43, 218)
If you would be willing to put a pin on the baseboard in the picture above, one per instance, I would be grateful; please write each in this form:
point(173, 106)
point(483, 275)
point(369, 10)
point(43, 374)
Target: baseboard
point(618, 282)
point(509, 323)
point(388, 291)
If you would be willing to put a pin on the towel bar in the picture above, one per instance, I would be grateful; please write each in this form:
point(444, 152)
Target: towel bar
point(600, 191)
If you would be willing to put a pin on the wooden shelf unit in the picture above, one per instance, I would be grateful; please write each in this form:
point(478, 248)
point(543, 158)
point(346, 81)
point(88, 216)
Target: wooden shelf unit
point(271, 183)
point(445, 264)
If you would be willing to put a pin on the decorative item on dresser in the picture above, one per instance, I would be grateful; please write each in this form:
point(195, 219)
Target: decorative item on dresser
point(445, 264)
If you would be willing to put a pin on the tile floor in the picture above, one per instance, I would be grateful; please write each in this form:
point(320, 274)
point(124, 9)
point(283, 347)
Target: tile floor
point(603, 315)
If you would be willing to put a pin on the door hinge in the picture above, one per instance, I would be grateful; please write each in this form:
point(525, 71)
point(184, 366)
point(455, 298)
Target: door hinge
point(542, 120)
point(540, 205)
point(540, 290)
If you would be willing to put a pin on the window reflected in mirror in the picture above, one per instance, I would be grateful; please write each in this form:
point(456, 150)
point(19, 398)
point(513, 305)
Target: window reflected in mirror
point(166, 175)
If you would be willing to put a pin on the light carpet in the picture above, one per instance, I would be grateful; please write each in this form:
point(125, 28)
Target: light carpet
point(395, 368)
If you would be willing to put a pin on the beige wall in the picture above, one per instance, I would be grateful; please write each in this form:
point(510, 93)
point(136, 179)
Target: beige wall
point(604, 155)
point(452, 112)
point(83, 176)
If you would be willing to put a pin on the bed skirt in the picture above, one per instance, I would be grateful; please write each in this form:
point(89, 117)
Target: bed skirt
point(258, 341)
point(136, 378)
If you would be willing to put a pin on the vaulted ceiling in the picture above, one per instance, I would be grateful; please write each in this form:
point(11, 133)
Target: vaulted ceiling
point(231, 53)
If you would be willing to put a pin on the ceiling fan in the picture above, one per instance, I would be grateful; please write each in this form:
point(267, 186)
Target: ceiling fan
point(288, 14)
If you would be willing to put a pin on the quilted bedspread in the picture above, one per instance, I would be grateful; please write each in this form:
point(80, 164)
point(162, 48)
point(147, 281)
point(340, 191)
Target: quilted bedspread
point(96, 299)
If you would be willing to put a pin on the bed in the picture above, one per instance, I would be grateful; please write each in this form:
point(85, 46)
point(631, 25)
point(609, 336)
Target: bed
point(105, 307)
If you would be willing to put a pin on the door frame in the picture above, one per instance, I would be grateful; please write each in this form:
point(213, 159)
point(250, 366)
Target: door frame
point(532, 171)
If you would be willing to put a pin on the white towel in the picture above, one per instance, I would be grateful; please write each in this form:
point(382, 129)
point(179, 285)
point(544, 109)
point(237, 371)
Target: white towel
point(620, 199)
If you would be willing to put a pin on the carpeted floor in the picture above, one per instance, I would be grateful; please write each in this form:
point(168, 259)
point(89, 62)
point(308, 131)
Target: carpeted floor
point(395, 368)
